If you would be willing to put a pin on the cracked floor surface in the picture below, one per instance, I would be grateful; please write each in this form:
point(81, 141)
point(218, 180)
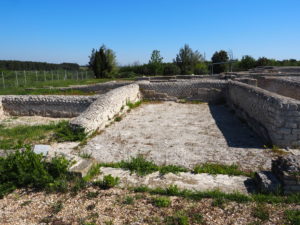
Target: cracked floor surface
point(181, 134)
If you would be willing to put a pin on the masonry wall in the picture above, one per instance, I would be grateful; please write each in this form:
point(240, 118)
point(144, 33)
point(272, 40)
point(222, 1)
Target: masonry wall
point(275, 118)
point(202, 90)
point(280, 86)
point(106, 107)
point(45, 105)
point(99, 88)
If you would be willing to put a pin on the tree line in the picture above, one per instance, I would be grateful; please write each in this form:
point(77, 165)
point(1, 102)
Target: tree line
point(103, 63)
point(29, 65)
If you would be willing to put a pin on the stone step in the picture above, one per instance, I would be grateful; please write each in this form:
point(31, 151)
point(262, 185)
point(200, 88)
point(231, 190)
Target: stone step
point(81, 167)
point(188, 181)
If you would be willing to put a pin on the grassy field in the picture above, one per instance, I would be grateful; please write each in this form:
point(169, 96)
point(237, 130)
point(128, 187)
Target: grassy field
point(23, 90)
point(16, 137)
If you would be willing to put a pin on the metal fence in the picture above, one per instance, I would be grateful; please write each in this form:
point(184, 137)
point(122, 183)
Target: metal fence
point(17, 79)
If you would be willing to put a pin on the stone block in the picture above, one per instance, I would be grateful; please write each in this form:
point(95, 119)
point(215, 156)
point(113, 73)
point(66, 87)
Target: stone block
point(267, 182)
point(42, 149)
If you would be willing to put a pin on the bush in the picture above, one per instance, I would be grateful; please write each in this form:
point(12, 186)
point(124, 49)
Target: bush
point(108, 182)
point(23, 169)
point(171, 69)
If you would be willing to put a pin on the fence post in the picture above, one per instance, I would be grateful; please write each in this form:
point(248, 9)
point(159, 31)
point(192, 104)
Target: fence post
point(25, 80)
point(36, 75)
point(45, 76)
point(17, 82)
point(3, 80)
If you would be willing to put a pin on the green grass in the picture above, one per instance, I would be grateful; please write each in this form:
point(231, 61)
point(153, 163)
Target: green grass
point(133, 105)
point(179, 218)
point(261, 212)
point(12, 89)
point(128, 200)
point(108, 182)
point(161, 201)
point(292, 217)
point(216, 194)
point(142, 167)
point(16, 137)
point(213, 168)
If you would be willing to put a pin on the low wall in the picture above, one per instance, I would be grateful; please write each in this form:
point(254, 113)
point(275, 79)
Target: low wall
point(45, 105)
point(282, 86)
point(106, 107)
point(275, 118)
point(99, 88)
point(202, 90)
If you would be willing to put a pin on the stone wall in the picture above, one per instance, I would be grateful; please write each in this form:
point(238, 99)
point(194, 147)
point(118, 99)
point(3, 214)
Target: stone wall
point(203, 90)
point(106, 107)
point(99, 88)
point(45, 105)
point(282, 86)
point(274, 117)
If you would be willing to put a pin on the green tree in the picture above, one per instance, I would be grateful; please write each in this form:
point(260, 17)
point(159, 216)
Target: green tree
point(187, 59)
point(200, 68)
point(171, 69)
point(247, 62)
point(262, 61)
point(103, 62)
point(219, 57)
point(155, 62)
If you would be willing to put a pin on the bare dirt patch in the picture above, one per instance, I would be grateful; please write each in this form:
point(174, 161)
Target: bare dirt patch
point(181, 134)
point(117, 206)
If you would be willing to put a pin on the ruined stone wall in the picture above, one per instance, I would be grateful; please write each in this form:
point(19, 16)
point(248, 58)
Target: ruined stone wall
point(275, 118)
point(282, 86)
point(45, 105)
point(106, 107)
point(203, 90)
point(99, 88)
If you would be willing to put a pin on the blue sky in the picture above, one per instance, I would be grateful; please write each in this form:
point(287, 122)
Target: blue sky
point(66, 30)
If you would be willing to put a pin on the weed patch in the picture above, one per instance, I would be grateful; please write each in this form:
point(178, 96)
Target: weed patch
point(261, 212)
point(142, 167)
point(133, 105)
point(108, 182)
point(215, 169)
point(292, 216)
point(161, 201)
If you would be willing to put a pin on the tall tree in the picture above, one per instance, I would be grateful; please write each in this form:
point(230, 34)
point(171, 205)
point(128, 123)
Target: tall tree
point(220, 57)
point(103, 62)
point(155, 62)
point(187, 59)
point(247, 62)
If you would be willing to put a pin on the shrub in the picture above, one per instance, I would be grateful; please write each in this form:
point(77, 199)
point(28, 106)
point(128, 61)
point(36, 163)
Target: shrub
point(23, 169)
point(161, 201)
point(108, 182)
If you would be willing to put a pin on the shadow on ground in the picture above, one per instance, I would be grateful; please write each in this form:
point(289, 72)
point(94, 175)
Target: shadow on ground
point(236, 133)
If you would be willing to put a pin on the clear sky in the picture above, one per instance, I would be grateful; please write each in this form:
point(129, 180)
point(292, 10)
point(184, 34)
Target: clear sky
point(66, 30)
